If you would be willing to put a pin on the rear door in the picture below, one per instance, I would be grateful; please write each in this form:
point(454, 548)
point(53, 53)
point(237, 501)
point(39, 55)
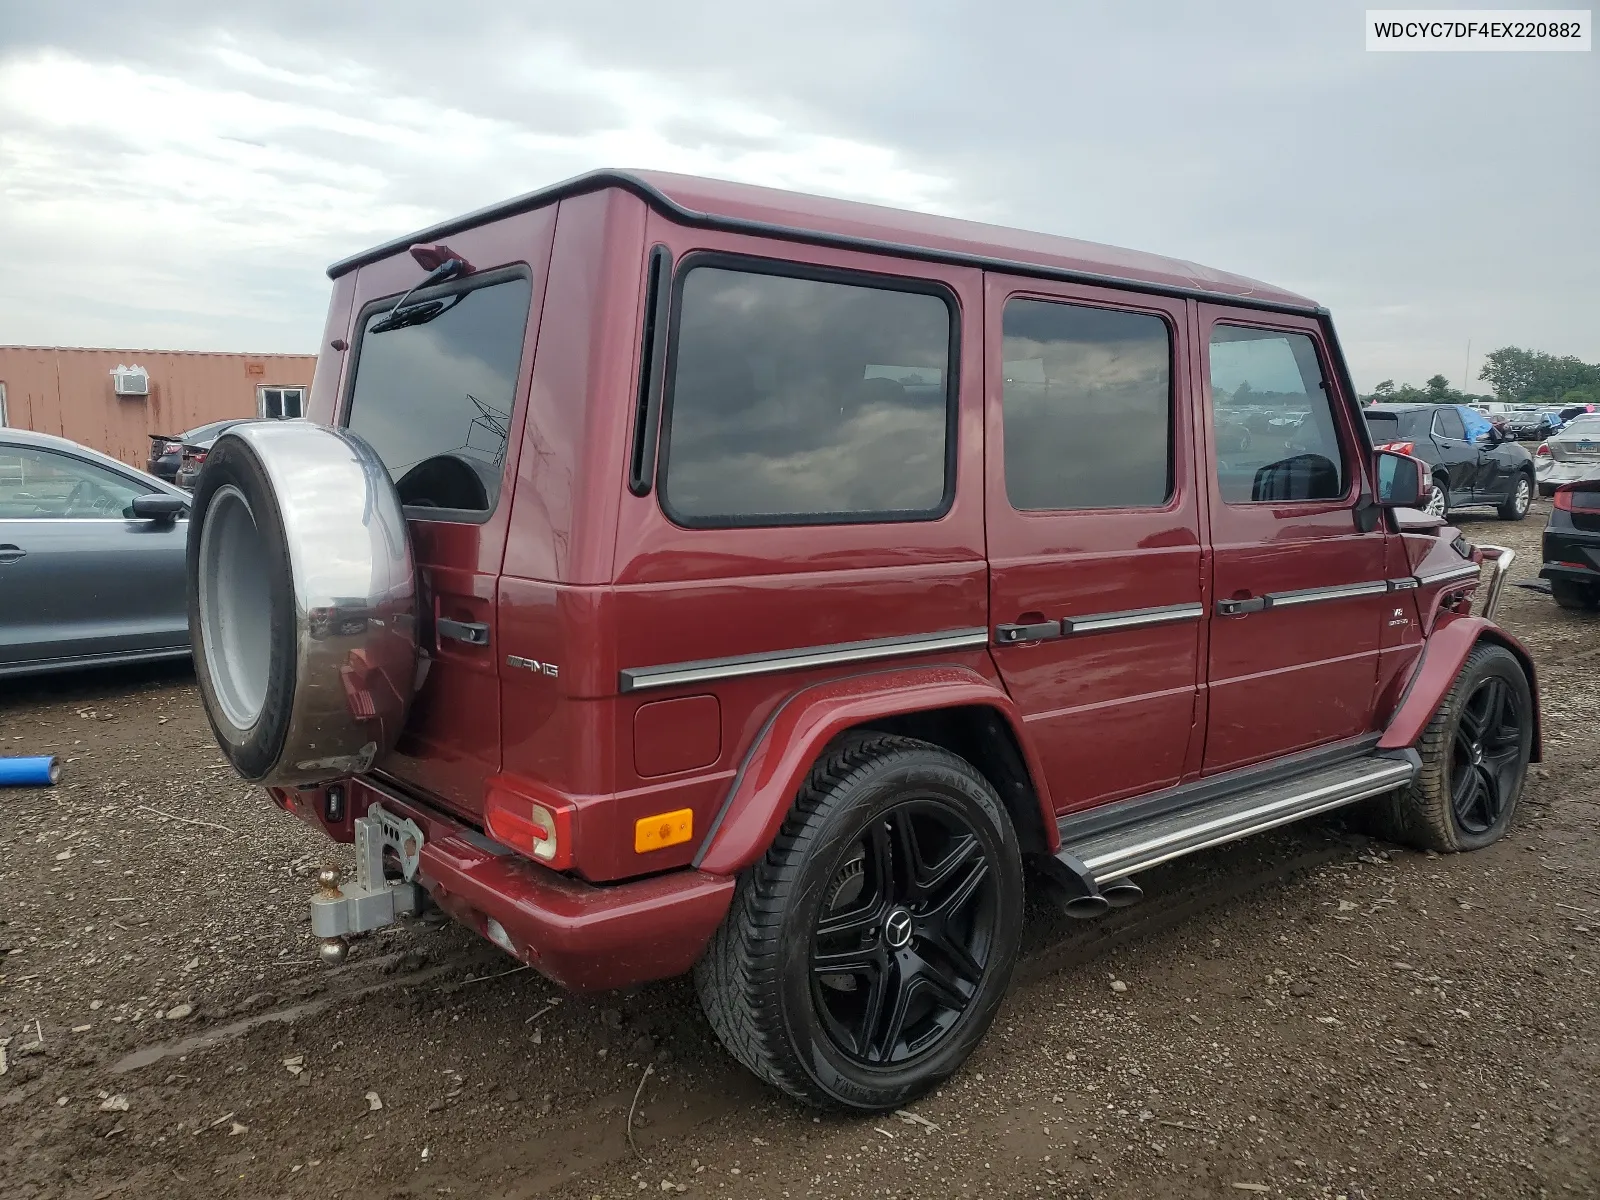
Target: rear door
point(439, 390)
point(1301, 588)
point(79, 577)
point(1457, 455)
point(1093, 528)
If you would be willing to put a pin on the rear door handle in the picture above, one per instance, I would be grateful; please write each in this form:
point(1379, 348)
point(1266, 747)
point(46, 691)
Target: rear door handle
point(10, 553)
point(1238, 608)
point(1039, 631)
point(474, 633)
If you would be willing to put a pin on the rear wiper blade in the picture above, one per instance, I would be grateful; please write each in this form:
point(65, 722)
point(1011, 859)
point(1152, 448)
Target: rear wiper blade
point(420, 314)
point(416, 314)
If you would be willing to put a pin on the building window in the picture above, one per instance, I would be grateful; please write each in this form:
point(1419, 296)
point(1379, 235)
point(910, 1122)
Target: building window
point(280, 403)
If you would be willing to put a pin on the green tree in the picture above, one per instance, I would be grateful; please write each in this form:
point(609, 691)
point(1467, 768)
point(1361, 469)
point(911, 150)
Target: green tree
point(1440, 391)
point(1521, 376)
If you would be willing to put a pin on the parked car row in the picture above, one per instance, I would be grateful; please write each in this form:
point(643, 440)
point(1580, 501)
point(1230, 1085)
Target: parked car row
point(1470, 461)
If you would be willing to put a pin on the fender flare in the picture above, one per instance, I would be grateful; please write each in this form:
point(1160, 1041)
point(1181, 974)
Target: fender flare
point(1443, 654)
point(799, 729)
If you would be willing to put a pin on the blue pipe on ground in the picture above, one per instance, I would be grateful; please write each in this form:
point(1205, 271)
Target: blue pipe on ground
point(41, 771)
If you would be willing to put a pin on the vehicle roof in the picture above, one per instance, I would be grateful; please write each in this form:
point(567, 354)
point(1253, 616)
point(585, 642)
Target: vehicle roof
point(1397, 409)
point(48, 441)
point(742, 207)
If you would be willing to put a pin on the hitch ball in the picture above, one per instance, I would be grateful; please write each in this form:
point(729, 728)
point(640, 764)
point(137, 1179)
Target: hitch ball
point(333, 951)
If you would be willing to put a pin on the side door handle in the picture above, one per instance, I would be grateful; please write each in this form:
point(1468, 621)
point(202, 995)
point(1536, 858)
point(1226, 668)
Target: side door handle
point(1038, 631)
point(1238, 608)
point(474, 633)
point(9, 553)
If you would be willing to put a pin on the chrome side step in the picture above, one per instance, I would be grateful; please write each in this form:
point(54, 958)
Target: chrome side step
point(1117, 853)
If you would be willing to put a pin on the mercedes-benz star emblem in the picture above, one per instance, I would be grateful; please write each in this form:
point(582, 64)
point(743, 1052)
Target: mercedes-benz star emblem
point(897, 929)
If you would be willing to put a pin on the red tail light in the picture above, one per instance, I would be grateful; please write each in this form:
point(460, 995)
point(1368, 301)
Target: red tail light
point(540, 829)
point(1544, 448)
point(172, 448)
point(1574, 499)
point(1399, 447)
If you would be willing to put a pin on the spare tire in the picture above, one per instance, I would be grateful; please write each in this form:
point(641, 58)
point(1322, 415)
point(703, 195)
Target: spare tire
point(302, 602)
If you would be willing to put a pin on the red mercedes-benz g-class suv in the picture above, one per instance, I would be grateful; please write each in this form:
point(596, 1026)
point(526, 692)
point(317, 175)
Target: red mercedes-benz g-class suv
point(677, 575)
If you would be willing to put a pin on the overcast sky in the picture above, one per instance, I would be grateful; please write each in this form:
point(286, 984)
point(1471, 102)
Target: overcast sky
point(171, 177)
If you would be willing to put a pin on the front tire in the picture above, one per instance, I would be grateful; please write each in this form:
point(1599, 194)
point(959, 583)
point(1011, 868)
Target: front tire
point(1521, 499)
point(1475, 755)
point(866, 954)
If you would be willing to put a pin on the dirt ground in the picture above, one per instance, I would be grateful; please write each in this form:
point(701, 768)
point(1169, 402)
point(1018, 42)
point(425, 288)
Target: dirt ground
point(1307, 1014)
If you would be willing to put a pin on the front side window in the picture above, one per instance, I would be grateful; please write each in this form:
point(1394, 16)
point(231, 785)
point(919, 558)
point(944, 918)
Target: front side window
point(1270, 385)
point(434, 389)
point(1087, 407)
point(804, 401)
point(39, 484)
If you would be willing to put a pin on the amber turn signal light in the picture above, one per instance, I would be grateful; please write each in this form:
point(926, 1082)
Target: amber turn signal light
point(662, 830)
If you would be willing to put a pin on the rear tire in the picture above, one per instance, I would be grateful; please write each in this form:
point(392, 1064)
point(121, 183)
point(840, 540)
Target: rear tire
point(839, 887)
point(1575, 596)
point(1475, 755)
point(1521, 499)
point(1438, 502)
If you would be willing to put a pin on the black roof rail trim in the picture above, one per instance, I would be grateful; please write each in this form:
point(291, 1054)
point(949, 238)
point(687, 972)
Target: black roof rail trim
point(596, 181)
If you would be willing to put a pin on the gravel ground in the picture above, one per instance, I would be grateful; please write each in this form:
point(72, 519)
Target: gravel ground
point(1307, 1014)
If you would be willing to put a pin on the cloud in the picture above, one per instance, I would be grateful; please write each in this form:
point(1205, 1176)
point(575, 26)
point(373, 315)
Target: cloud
point(186, 176)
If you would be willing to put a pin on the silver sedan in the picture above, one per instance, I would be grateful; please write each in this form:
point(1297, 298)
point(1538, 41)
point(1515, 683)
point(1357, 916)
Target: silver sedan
point(91, 559)
point(1571, 455)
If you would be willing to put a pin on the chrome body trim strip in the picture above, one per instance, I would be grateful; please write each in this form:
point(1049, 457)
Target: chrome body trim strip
point(1133, 618)
point(1235, 826)
point(639, 679)
point(1346, 591)
point(1469, 571)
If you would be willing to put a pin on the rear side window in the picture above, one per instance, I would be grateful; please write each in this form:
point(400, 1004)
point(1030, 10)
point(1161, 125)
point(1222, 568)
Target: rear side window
point(1447, 423)
point(797, 400)
point(1087, 407)
point(1270, 385)
point(434, 389)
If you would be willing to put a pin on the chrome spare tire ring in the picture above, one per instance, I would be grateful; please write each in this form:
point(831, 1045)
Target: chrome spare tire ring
point(235, 607)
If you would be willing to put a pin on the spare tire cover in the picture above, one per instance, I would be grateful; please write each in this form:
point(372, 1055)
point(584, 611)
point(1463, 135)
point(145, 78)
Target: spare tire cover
point(302, 602)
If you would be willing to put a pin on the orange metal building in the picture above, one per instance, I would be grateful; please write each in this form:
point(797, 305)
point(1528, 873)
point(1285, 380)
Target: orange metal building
point(70, 392)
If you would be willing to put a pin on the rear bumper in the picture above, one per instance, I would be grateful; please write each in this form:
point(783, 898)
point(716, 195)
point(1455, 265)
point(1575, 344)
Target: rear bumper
point(1571, 554)
point(1550, 472)
point(581, 936)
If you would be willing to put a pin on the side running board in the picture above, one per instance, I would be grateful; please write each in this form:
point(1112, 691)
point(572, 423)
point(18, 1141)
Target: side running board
point(1102, 857)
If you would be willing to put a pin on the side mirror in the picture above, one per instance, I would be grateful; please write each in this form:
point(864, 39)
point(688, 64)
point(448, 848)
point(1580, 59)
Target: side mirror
point(159, 507)
point(1402, 479)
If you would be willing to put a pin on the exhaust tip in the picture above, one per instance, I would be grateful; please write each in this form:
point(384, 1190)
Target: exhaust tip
point(1085, 907)
point(1120, 893)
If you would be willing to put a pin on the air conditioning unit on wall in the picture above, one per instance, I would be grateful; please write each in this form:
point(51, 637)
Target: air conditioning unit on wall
point(130, 381)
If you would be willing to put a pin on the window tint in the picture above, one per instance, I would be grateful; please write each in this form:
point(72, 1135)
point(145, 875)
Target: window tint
point(1447, 423)
point(434, 397)
point(802, 400)
point(1270, 384)
point(42, 483)
point(1385, 427)
point(1087, 407)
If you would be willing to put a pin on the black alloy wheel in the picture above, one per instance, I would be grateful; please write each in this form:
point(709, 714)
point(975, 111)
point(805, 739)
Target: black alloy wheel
point(866, 953)
point(1487, 764)
point(902, 941)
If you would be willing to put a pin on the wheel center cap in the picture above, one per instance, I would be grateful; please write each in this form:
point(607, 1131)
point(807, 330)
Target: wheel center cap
point(897, 929)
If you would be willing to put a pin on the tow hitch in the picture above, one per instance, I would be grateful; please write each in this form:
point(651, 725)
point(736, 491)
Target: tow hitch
point(372, 901)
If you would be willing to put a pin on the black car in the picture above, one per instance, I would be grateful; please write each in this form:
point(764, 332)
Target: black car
point(1472, 463)
point(1530, 425)
point(166, 450)
point(1572, 546)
